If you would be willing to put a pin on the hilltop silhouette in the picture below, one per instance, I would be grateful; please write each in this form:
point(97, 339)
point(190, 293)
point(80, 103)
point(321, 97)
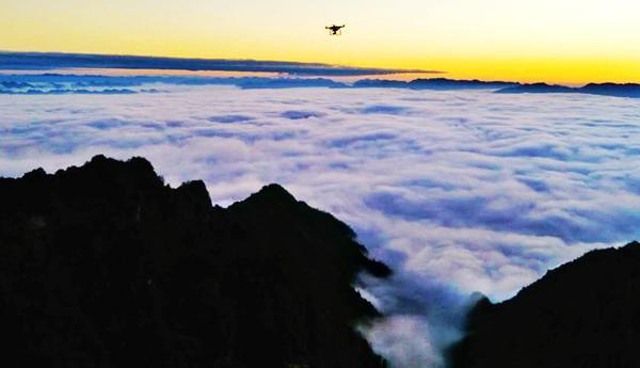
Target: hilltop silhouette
point(443, 84)
point(438, 84)
point(585, 313)
point(106, 266)
point(603, 89)
point(538, 88)
point(453, 84)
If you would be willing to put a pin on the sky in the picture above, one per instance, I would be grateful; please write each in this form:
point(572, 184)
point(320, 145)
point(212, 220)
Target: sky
point(560, 41)
point(459, 191)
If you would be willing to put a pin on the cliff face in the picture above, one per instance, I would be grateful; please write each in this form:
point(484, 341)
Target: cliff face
point(105, 266)
point(585, 313)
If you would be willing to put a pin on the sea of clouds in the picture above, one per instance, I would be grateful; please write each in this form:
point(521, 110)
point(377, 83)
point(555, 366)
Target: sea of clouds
point(457, 191)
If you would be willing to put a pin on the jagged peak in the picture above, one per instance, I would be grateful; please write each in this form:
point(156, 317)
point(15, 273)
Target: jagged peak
point(100, 161)
point(37, 173)
point(274, 192)
point(633, 244)
point(195, 189)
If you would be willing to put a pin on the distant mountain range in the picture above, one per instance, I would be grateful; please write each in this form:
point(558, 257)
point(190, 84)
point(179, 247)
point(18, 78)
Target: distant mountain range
point(603, 89)
point(443, 84)
point(104, 265)
point(440, 84)
point(56, 83)
point(585, 313)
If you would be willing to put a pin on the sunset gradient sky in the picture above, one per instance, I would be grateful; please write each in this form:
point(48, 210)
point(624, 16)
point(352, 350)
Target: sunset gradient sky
point(562, 41)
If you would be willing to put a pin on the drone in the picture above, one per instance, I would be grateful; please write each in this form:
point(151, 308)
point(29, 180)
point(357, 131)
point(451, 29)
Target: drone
point(335, 30)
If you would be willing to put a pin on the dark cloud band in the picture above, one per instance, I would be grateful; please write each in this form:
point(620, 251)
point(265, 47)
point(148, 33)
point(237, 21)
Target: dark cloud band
point(45, 61)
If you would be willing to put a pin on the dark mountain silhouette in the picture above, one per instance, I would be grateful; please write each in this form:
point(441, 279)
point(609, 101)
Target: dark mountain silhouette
point(538, 88)
point(267, 83)
point(612, 89)
point(14, 84)
point(585, 313)
point(453, 84)
point(441, 84)
point(603, 89)
point(380, 83)
point(79, 91)
point(105, 266)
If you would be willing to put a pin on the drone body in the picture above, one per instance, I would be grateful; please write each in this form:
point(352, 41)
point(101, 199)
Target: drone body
point(335, 30)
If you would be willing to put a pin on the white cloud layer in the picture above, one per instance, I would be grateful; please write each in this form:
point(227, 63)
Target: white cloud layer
point(464, 191)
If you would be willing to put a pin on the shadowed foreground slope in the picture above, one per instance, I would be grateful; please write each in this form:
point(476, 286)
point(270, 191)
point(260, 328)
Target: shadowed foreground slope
point(105, 266)
point(585, 313)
